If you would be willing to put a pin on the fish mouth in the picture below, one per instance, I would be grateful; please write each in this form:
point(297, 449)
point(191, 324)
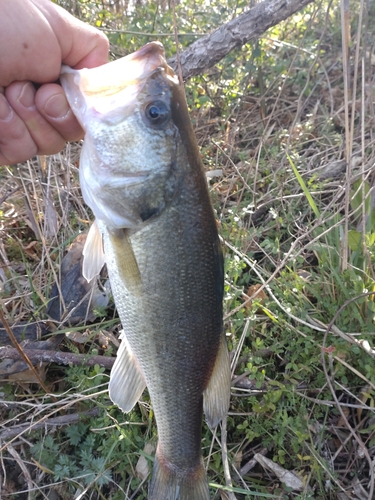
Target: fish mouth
point(115, 76)
point(111, 90)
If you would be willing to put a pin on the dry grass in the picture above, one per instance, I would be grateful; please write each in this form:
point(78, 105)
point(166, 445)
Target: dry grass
point(308, 112)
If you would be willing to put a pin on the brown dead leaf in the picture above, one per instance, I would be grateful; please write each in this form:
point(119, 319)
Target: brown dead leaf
point(103, 339)
point(261, 297)
point(224, 495)
point(28, 376)
point(142, 468)
point(289, 478)
point(364, 395)
point(32, 250)
point(9, 489)
point(237, 459)
point(79, 337)
point(341, 421)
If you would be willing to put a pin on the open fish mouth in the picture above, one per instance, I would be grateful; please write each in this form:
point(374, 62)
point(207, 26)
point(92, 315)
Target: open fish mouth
point(117, 86)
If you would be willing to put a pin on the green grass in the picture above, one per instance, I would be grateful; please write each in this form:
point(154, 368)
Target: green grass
point(270, 116)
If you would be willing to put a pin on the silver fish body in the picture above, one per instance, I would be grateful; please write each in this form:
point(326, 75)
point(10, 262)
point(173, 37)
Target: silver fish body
point(141, 174)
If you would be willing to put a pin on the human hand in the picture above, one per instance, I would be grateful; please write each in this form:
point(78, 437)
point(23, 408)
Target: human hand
point(36, 37)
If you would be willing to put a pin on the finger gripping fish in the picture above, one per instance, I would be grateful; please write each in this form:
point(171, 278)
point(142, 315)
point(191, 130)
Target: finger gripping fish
point(142, 176)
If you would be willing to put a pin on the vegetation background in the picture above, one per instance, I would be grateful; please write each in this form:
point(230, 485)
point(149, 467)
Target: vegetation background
point(286, 130)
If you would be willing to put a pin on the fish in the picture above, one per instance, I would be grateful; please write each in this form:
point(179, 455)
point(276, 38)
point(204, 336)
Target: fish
point(141, 174)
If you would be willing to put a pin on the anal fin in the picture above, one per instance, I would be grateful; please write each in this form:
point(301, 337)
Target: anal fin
point(126, 383)
point(216, 396)
point(93, 254)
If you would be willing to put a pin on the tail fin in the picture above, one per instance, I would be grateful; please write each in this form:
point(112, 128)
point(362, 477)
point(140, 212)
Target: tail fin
point(170, 483)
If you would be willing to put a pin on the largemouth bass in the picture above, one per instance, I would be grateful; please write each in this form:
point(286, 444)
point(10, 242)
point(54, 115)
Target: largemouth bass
point(142, 176)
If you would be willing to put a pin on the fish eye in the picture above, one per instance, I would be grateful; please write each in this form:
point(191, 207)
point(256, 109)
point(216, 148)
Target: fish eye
point(157, 113)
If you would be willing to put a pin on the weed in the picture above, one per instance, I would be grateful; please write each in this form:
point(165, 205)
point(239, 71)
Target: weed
point(295, 206)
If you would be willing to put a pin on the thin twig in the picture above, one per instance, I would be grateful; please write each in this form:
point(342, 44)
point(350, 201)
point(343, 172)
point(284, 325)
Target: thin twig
point(224, 454)
point(145, 33)
point(363, 344)
point(179, 69)
point(345, 30)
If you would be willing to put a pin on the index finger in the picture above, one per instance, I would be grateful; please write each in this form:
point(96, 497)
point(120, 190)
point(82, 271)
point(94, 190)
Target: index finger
point(82, 46)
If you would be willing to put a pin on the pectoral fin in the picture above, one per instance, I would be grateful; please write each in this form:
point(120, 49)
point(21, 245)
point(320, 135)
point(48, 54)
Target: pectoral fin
point(126, 383)
point(125, 259)
point(217, 394)
point(93, 254)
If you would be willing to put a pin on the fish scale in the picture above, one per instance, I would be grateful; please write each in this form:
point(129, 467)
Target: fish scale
point(171, 316)
point(142, 176)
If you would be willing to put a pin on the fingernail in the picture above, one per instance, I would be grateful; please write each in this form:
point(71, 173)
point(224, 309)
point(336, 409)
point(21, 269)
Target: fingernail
point(56, 106)
point(26, 97)
point(6, 112)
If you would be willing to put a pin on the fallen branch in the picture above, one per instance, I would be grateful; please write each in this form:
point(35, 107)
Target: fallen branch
point(61, 358)
point(69, 419)
point(210, 49)
point(21, 353)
